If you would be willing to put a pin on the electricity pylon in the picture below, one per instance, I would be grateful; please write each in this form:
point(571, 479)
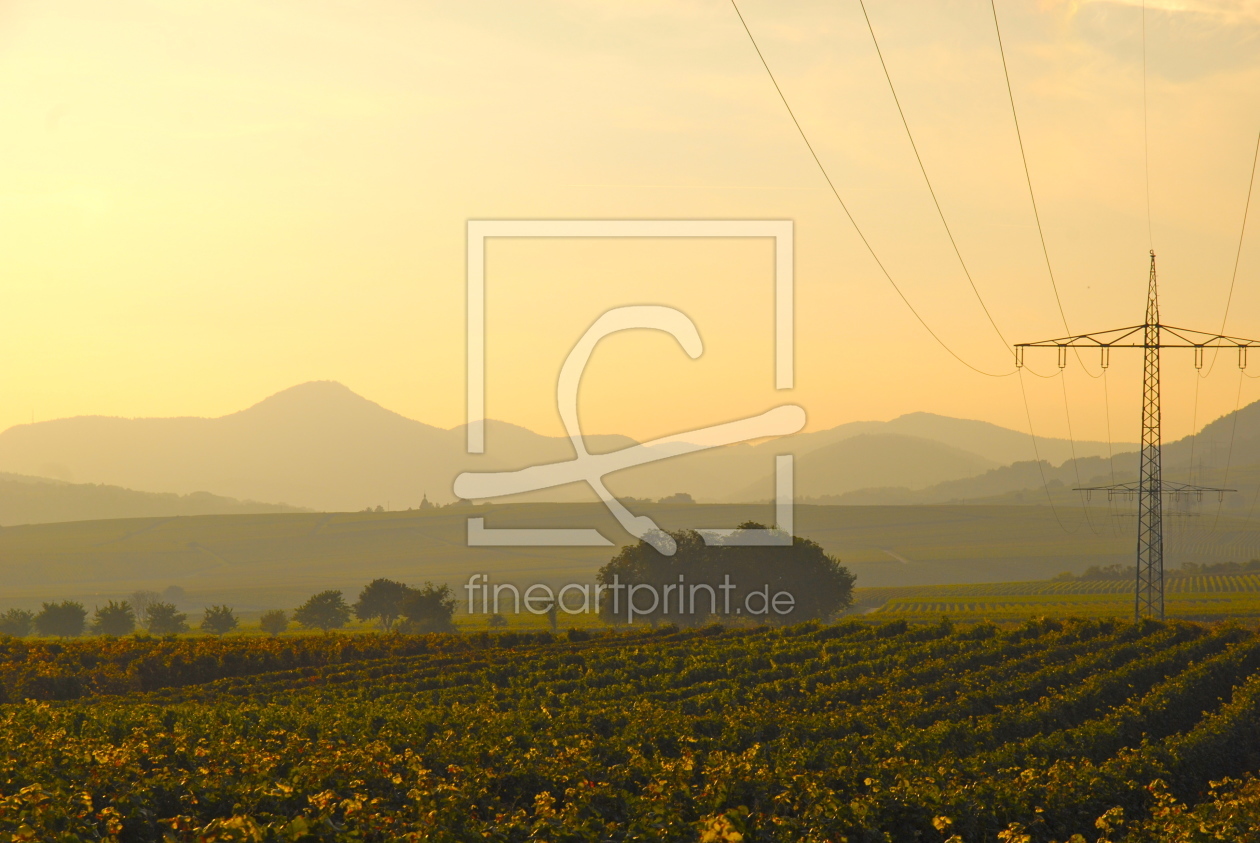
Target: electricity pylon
point(1150, 488)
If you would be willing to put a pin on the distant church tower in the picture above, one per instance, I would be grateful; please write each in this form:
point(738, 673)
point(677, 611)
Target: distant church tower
point(424, 504)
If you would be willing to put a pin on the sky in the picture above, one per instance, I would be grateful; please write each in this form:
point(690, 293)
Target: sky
point(204, 203)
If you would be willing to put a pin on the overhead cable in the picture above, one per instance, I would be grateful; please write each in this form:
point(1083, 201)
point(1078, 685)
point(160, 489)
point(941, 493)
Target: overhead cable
point(1146, 143)
point(1037, 455)
point(1032, 196)
point(1229, 298)
point(922, 169)
point(836, 193)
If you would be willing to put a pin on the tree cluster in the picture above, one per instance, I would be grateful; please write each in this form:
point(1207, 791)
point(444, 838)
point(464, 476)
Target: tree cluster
point(819, 586)
point(69, 619)
point(394, 605)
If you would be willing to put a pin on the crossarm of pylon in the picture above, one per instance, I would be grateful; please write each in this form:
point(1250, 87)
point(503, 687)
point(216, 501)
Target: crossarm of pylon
point(1202, 339)
point(1098, 339)
point(1164, 487)
point(1133, 337)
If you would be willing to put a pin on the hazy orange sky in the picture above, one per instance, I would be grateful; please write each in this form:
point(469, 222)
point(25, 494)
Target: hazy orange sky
point(203, 203)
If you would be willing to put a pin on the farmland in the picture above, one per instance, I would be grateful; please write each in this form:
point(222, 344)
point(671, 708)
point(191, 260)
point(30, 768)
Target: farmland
point(1190, 597)
point(858, 731)
point(263, 561)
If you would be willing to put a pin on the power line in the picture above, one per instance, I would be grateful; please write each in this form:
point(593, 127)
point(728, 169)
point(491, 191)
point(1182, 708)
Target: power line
point(835, 192)
point(1045, 252)
point(1194, 427)
point(928, 181)
point(1146, 144)
point(1229, 455)
point(1076, 466)
point(1251, 183)
point(1150, 488)
point(1229, 299)
point(1037, 454)
point(1111, 460)
point(1032, 196)
point(1019, 136)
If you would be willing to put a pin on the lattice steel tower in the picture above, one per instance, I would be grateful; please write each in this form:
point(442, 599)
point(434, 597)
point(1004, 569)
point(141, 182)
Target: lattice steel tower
point(1149, 599)
point(1150, 488)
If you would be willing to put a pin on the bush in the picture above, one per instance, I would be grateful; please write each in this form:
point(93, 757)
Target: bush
point(65, 619)
point(16, 622)
point(274, 622)
point(165, 619)
point(497, 621)
point(114, 619)
point(326, 610)
point(218, 620)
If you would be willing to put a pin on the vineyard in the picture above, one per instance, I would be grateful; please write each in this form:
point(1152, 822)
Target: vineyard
point(1206, 598)
point(857, 731)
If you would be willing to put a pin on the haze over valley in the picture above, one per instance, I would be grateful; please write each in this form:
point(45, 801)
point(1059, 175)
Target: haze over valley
point(322, 447)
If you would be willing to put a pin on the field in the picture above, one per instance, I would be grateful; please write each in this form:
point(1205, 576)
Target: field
point(859, 731)
point(256, 562)
point(1197, 598)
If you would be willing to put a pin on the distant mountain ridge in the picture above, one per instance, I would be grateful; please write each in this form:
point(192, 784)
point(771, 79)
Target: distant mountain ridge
point(321, 446)
point(39, 500)
point(998, 445)
point(902, 460)
point(1224, 453)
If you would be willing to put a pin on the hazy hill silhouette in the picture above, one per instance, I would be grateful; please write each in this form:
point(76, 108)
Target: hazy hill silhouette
point(998, 445)
point(1224, 453)
point(319, 445)
point(38, 500)
point(315, 445)
point(898, 460)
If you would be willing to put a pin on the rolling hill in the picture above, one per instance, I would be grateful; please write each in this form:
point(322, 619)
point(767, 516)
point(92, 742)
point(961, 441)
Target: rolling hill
point(896, 459)
point(320, 446)
point(997, 445)
point(38, 500)
point(277, 560)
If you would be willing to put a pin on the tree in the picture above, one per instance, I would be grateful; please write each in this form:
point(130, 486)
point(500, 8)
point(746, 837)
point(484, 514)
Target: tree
point(429, 609)
point(326, 610)
point(497, 621)
point(274, 622)
point(140, 602)
point(165, 619)
point(114, 619)
point(770, 583)
point(16, 622)
point(65, 619)
point(218, 620)
point(380, 600)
